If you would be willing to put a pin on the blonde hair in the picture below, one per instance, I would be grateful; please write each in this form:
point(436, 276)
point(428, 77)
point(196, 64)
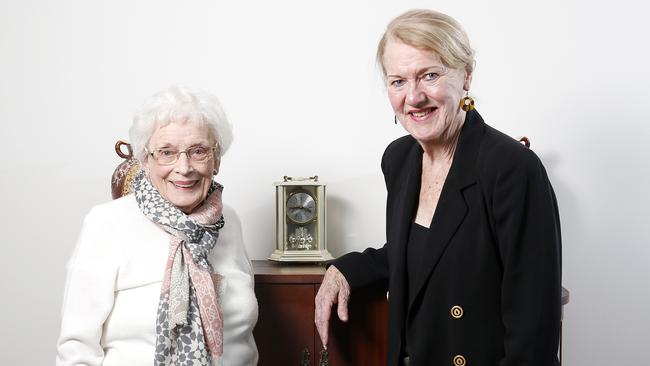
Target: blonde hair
point(433, 31)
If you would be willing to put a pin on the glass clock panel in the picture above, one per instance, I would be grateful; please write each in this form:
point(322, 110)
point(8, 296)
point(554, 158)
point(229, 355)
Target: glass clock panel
point(301, 237)
point(301, 207)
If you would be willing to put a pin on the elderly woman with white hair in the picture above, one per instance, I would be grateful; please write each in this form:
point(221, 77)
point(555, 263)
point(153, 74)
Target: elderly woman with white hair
point(161, 276)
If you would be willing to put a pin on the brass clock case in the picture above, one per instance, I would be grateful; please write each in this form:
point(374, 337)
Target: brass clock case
point(300, 221)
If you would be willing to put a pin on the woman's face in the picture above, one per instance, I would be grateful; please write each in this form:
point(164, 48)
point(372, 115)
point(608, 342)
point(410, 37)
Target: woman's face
point(424, 93)
point(184, 183)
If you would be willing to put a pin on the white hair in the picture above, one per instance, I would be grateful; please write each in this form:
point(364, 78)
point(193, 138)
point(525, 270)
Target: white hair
point(179, 104)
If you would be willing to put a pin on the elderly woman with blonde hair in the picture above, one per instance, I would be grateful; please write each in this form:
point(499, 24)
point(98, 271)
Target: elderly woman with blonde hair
point(473, 251)
point(161, 276)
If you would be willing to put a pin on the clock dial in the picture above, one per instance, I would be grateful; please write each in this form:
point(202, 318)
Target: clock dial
point(301, 207)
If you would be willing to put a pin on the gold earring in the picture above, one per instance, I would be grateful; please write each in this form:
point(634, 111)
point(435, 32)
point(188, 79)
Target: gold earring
point(466, 103)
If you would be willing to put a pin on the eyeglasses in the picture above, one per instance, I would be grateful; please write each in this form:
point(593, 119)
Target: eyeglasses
point(169, 156)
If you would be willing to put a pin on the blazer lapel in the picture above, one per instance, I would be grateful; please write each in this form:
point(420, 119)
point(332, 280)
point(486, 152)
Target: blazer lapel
point(451, 208)
point(408, 196)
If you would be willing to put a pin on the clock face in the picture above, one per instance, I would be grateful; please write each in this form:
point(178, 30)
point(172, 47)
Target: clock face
point(301, 207)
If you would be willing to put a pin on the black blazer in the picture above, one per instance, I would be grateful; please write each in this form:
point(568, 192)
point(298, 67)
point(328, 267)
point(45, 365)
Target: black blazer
point(492, 293)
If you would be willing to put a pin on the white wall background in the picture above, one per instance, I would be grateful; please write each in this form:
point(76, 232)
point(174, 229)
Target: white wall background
point(298, 81)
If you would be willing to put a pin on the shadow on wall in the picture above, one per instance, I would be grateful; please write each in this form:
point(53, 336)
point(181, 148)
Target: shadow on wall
point(568, 205)
point(259, 221)
point(356, 213)
point(337, 213)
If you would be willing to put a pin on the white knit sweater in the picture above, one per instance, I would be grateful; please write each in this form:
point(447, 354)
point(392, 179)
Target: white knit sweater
point(113, 287)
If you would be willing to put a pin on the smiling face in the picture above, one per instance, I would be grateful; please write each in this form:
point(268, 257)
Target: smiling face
point(185, 183)
point(424, 93)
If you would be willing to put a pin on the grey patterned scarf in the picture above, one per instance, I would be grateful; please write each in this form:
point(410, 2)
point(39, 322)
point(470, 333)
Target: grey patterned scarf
point(189, 324)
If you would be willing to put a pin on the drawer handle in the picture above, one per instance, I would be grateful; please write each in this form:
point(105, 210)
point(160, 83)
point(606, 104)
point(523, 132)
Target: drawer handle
point(306, 358)
point(324, 358)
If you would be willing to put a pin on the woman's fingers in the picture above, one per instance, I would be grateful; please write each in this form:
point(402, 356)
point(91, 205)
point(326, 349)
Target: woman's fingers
point(343, 296)
point(322, 318)
point(333, 289)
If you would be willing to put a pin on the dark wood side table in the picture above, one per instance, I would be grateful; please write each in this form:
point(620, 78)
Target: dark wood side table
point(285, 332)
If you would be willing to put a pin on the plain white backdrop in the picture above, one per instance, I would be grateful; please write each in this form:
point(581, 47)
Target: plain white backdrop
point(299, 83)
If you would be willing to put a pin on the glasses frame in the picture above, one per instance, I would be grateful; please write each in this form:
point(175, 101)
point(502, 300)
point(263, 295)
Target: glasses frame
point(178, 155)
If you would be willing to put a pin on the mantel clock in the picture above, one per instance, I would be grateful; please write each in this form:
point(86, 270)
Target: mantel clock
point(300, 221)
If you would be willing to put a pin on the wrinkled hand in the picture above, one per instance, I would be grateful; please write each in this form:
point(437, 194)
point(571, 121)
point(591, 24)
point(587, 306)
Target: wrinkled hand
point(334, 289)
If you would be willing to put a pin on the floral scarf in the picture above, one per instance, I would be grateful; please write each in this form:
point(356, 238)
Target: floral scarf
point(189, 324)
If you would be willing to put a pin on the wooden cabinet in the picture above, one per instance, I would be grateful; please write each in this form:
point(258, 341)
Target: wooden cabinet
point(285, 331)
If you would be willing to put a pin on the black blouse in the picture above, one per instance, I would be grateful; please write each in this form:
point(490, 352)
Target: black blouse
point(416, 250)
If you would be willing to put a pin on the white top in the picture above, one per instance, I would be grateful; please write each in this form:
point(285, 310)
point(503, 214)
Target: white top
point(113, 288)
